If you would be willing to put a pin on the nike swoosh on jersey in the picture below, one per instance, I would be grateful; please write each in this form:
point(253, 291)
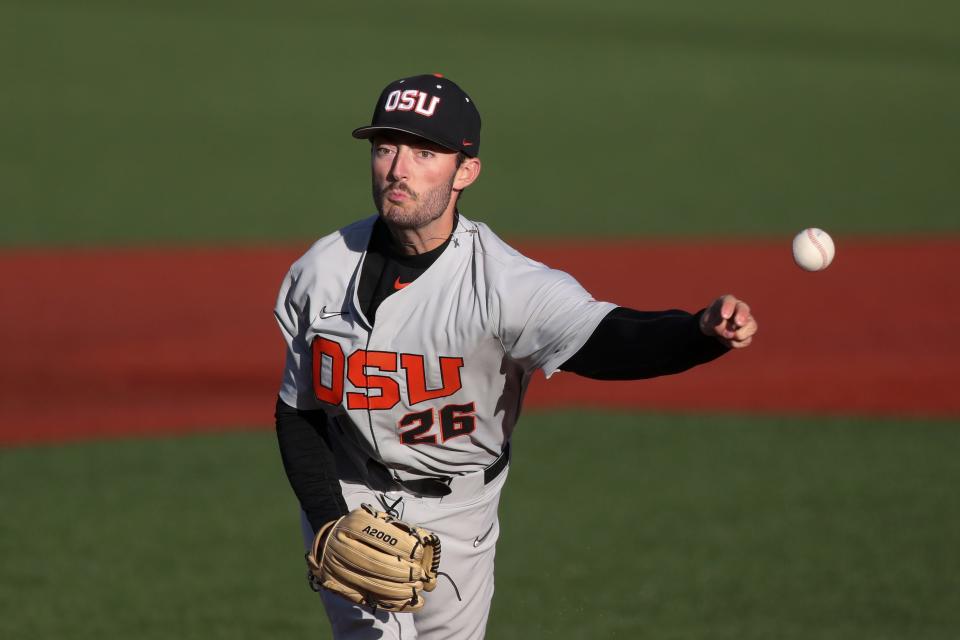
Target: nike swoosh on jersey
point(479, 539)
point(324, 314)
point(400, 285)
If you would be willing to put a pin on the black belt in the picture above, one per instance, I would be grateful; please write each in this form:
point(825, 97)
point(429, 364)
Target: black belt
point(491, 472)
point(439, 487)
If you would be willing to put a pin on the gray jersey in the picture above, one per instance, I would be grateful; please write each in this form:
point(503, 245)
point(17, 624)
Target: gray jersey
point(434, 388)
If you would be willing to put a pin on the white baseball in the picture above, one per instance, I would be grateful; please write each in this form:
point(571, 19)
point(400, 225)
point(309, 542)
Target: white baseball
point(813, 249)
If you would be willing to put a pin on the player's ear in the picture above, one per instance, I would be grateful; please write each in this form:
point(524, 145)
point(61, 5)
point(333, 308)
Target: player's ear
point(467, 173)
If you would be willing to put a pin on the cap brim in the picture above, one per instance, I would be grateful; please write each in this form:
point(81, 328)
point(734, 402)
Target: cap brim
point(365, 133)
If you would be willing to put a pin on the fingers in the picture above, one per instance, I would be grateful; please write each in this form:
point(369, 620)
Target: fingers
point(728, 305)
point(743, 336)
point(730, 320)
point(741, 314)
point(711, 322)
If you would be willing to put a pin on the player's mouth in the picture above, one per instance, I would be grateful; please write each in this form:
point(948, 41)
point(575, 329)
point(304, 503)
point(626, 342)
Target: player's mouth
point(397, 195)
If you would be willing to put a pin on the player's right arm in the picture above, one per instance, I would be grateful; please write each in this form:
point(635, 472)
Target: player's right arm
point(631, 345)
point(301, 424)
point(547, 321)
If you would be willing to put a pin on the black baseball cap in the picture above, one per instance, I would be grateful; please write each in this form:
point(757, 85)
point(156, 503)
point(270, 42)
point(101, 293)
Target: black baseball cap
point(429, 106)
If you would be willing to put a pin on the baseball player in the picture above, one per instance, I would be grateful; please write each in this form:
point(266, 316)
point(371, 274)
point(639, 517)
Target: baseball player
point(411, 337)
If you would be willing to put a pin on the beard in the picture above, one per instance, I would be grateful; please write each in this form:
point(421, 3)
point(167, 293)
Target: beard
point(417, 212)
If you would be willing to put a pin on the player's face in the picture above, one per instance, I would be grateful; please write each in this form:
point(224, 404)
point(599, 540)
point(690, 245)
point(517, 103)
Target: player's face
point(413, 180)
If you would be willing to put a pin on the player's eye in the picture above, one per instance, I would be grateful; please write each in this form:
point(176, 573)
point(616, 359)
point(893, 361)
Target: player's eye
point(423, 153)
point(384, 151)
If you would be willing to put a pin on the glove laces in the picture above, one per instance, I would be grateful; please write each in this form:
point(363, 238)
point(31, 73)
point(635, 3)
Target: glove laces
point(390, 509)
point(452, 583)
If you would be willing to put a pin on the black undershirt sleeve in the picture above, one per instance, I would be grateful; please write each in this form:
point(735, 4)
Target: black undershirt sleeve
point(309, 463)
point(630, 345)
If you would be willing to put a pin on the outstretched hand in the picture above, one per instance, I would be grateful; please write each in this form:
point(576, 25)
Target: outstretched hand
point(730, 321)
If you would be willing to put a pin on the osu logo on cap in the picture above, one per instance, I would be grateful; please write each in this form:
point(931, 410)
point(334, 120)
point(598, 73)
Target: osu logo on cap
point(411, 100)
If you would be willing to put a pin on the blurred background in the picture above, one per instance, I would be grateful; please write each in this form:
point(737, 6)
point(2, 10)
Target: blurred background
point(218, 122)
point(140, 138)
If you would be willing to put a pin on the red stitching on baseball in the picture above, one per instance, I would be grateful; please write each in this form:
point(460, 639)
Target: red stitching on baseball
point(816, 243)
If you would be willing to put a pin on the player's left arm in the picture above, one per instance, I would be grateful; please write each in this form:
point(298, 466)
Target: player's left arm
point(309, 462)
point(631, 345)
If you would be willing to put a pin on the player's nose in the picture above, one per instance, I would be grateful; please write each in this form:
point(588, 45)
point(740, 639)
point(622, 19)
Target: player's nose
point(400, 168)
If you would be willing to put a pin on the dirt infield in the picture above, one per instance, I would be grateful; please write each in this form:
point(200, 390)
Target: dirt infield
point(120, 342)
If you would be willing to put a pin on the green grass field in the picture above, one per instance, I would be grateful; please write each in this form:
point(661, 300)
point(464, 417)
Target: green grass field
point(226, 122)
point(673, 527)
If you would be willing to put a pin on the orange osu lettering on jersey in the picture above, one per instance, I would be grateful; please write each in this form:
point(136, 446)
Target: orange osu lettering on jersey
point(333, 353)
point(416, 377)
point(357, 366)
point(330, 367)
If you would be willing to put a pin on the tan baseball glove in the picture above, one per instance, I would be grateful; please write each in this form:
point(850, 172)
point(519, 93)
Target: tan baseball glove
point(373, 559)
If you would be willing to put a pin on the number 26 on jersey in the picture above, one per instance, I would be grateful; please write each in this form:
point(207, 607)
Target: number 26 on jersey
point(331, 367)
